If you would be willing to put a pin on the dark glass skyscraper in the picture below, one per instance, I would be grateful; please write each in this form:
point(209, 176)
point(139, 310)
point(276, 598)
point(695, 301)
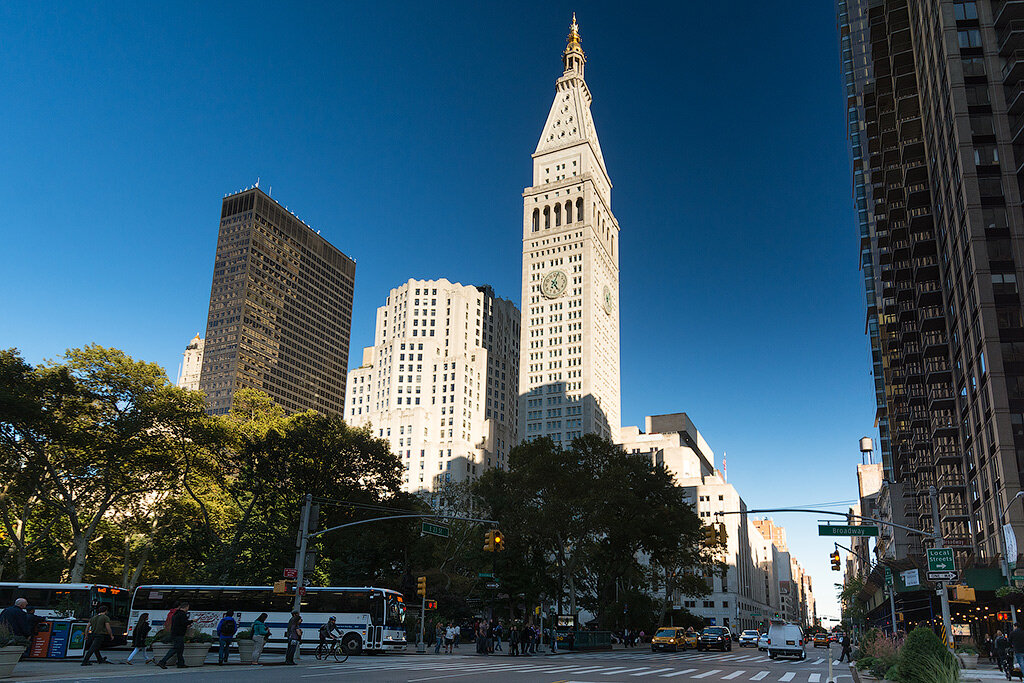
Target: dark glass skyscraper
point(934, 108)
point(280, 310)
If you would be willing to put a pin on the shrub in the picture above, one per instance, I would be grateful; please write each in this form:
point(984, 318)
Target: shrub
point(8, 639)
point(881, 666)
point(924, 658)
point(161, 636)
point(244, 635)
point(865, 663)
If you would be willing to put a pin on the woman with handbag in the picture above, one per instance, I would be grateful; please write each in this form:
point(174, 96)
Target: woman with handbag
point(260, 634)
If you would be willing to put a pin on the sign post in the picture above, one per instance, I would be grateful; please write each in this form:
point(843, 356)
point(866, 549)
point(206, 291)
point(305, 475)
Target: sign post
point(941, 558)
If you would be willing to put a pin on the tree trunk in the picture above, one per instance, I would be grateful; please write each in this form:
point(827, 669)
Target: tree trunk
point(81, 551)
point(664, 604)
point(143, 558)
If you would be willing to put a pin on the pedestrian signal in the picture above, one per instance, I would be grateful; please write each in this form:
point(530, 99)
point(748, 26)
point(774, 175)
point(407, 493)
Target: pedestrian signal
point(431, 604)
point(836, 563)
point(421, 586)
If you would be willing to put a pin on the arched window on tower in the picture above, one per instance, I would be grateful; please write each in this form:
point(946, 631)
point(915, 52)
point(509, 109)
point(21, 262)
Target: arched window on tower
point(579, 209)
point(536, 220)
point(568, 212)
point(558, 215)
point(547, 216)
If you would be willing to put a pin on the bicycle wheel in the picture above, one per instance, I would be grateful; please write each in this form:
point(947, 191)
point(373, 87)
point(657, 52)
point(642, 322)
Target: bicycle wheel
point(339, 656)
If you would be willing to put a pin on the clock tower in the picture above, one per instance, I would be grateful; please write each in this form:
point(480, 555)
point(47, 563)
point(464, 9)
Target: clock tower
point(569, 365)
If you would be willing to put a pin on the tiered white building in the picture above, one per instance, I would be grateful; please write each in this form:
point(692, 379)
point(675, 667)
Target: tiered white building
point(440, 382)
point(569, 373)
point(191, 364)
point(762, 579)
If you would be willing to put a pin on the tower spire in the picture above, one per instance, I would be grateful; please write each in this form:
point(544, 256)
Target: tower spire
point(573, 57)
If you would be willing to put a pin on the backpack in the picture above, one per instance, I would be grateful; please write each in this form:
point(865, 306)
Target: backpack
point(228, 626)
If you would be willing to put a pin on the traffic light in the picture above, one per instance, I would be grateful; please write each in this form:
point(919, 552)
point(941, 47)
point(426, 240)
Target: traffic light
point(722, 535)
point(964, 594)
point(431, 604)
point(493, 541)
point(421, 586)
point(834, 556)
point(710, 535)
point(284, 586)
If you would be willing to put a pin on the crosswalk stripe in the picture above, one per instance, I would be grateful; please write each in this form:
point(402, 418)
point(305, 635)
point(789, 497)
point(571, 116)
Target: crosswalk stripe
point(707, 673)
point(787, 676)
point(734, 674)
point(650, 673)
point(615, 672)
point(677, 673)
point(818, 661)
point(814, 678)
point(759, 676)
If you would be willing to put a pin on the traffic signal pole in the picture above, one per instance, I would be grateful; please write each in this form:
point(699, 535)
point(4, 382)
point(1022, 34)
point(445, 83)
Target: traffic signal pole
point(947, 622)
point(303, 542)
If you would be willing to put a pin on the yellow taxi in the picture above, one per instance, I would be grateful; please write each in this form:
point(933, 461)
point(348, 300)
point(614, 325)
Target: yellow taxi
point(670, 639)
point(820, 640)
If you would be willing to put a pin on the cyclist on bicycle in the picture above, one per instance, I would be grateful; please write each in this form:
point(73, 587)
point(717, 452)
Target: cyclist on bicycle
point(327, 632)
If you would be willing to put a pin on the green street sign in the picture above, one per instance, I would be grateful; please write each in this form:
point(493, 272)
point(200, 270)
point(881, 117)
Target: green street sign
point(486, 575)
point(940, 560)
point(436, 530)
point(844, 530)
point(888, 576)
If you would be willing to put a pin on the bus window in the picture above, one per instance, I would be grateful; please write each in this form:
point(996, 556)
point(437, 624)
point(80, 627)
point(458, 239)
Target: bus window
point(395, 617)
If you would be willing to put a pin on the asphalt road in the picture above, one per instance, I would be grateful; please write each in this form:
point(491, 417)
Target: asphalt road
point(740, 665)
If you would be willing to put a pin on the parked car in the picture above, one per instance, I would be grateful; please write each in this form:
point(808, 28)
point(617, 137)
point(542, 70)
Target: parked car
point(762, 642)
point(748, 638)
point(785, 640)
point(714, 638)
point(669, 639)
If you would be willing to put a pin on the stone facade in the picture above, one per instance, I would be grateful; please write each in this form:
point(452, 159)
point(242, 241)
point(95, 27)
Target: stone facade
point(191, 364)
point(440, 382)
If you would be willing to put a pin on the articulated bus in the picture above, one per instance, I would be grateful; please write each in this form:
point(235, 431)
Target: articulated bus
point(78, 600)
point(370, 619)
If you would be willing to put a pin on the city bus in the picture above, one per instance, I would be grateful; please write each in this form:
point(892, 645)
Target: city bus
point(72, 600)
point(370, 619)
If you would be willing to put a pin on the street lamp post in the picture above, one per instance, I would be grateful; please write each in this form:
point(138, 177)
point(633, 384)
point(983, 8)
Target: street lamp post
point(1006, 558)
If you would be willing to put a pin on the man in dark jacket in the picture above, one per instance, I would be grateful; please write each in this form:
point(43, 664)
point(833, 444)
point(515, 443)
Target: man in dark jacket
point(1017, 643)
point(16, 619)
point(178, 628)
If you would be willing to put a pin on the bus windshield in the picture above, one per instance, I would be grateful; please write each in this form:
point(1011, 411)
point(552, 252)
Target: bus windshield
point(395, 615)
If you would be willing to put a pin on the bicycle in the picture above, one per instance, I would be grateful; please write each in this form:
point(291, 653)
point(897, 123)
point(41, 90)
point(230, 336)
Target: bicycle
point(1009, 666)
point(334, 650)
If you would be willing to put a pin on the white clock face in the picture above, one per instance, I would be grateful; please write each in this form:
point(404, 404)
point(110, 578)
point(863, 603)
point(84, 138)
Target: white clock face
point(554, 284)
point(608, 303)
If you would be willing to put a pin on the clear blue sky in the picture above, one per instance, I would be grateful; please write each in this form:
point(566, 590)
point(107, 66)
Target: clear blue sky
point(404, 131)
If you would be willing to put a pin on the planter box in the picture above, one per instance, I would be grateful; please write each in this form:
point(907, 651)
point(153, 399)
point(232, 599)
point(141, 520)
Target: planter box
point(195, 653)
point(245, 648)
point(9, 657)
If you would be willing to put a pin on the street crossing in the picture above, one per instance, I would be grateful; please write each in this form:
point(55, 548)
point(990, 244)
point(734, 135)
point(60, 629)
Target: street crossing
point(570, 669)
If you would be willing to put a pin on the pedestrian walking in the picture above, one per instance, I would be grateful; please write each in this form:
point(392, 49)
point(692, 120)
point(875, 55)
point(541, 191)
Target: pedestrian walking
point(260, 635)
point(96, 634)
point(226, 629)
point(142, 629)
point(497, 636)
point(178, 627)
point(294, 635)
point(986, 649)
point(15, 618)
point(439, 637)
point(1017, 643)
point(1000, 645)
point(513, 641)
point(449, 638)
point(847, 647)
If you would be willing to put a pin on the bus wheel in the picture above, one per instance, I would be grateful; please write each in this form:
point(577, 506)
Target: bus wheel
point(352, 644)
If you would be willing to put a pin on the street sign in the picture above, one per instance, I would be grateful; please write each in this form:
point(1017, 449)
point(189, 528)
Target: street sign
point(486, 575)
point(888, 576)
point(847, 530)
point(492, 584)
point(291, 573)
point(301, 590)
point(940, 560)
point(942, 576)
point(436, 530)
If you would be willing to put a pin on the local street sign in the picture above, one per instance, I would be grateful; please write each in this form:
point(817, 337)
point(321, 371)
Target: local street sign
point(436, 530)
point(291, 573)
point(888, 576)
point(845, 530)
point(486, 575)
point(942, 576)
point(940, 560)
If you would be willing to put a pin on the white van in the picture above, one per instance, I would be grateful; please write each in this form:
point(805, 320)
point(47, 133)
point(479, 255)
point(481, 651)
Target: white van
point(785, 640)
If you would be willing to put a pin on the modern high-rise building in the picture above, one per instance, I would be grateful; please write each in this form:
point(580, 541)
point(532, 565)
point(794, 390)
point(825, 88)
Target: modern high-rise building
point(934, 101)
point(569, 373)
point(280, 310)
point(441, 382)
point(191, 364)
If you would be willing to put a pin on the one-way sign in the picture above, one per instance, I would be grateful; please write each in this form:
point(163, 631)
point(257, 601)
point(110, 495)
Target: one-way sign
point(942, 576)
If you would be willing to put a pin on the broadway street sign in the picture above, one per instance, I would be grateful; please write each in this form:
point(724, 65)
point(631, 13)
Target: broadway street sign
point(843, 530)
point(942, 576)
